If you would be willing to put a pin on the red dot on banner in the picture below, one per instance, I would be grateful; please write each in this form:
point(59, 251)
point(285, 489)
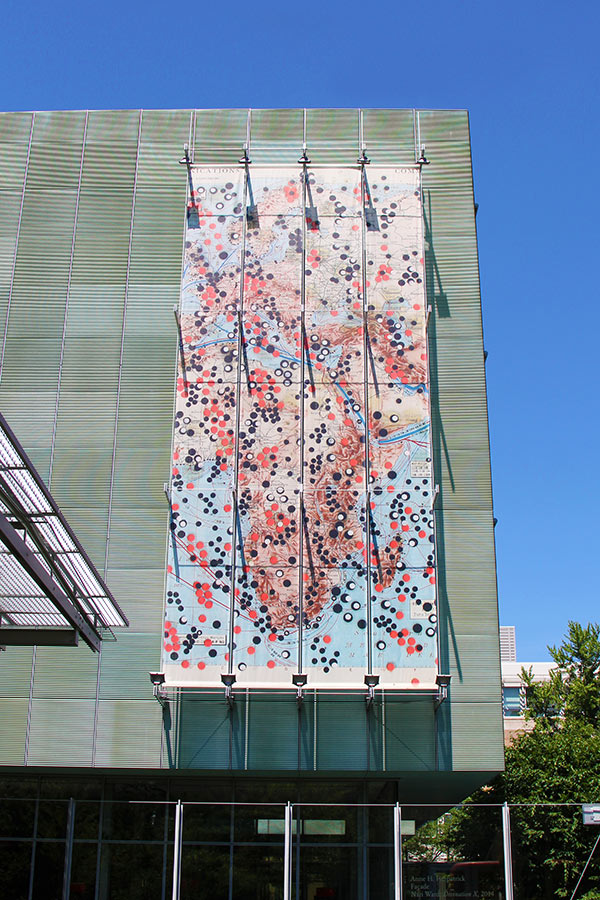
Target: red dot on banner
point(185, 664)
point(207, 642)
point(271, 664)
point(390, 667)
point(201, 665)
point(415, 681)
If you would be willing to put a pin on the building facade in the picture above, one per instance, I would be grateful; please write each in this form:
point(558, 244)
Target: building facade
point(244, 350)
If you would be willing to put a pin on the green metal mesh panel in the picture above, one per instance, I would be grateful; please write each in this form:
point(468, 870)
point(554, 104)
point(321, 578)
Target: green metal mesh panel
point(15, 672)
point(204, 734)
point(409, 736)
point(58, 674)
point(341, 734)
point(129, 733)
point(125, 666)
point(263, 752)
point(61, 733)
point(470, 740)
point(13, 726)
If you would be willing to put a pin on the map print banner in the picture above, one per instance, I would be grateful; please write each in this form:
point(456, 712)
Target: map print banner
point(301, 535)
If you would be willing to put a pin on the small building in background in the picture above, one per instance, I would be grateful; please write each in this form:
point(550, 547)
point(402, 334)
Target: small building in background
point(514, 693)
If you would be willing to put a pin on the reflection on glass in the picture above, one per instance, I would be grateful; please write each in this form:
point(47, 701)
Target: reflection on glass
point(83, 871)
point(52, 818)
point(205, 873)
point(16, 818)
point(131, 872)
point(15, 861)
point(259, 823)
point(48, 870)
point(381, 873)
point(330, 824)
point(440, 860)
point(87, 820)
point(328, 872)
point(128, 821)
point(206, 822)
point(258, 873)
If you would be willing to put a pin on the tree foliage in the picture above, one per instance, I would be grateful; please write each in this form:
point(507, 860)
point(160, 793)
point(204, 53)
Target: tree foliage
point(557, 762)
point(573, 692)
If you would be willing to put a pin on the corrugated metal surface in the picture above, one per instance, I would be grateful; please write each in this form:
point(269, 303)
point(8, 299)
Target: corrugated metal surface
point(16, 675)
point(58, 675)
point(341, 734)
point(263, 752)
point(473, 730)
point(51, 720)
point(409, 736)
point(13, 726)
point(99, 262)
point(204, 734)
point(125, 666)
point(128, 733)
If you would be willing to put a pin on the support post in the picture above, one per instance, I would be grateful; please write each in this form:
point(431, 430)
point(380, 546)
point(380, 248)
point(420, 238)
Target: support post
point(287, 854)
point(177, 850)
point(397, 852)
point(66, 890)
point(508, 872)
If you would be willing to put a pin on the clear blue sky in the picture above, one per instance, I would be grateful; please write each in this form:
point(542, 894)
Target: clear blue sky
point(528, 73)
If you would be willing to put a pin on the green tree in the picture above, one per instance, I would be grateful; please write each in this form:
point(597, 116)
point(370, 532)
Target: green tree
point(556, 762)
point(573, 692)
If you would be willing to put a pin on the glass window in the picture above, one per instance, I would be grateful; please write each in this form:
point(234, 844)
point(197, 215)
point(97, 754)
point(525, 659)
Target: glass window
point(511, 700)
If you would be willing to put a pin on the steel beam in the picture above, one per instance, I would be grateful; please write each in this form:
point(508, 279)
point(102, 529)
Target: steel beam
point(38, 637)
point(17, 546)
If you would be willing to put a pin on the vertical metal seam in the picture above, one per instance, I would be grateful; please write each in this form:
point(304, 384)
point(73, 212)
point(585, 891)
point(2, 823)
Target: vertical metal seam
point(122, 348)
point(118, 398)
point(432, 484)
point(191, 130)
point(66, 312)
point(15, 254)
point(177, 847)
point(29, 707)
point(2, 354)
point(246, 727)
point(287, 853)
point(383, 741)
point(414, 112)
point(507, 847)
point(68, 863)
point(96, 708)
point(33, 845)
point(193, 120)
point(315, 731)
point(238, 403)
point(397, 852)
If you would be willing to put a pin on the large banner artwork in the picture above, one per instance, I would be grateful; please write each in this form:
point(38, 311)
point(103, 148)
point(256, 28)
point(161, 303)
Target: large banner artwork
point(301, 496)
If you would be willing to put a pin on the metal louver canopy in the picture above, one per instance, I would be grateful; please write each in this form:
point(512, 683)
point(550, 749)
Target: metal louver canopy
point(50, 592)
